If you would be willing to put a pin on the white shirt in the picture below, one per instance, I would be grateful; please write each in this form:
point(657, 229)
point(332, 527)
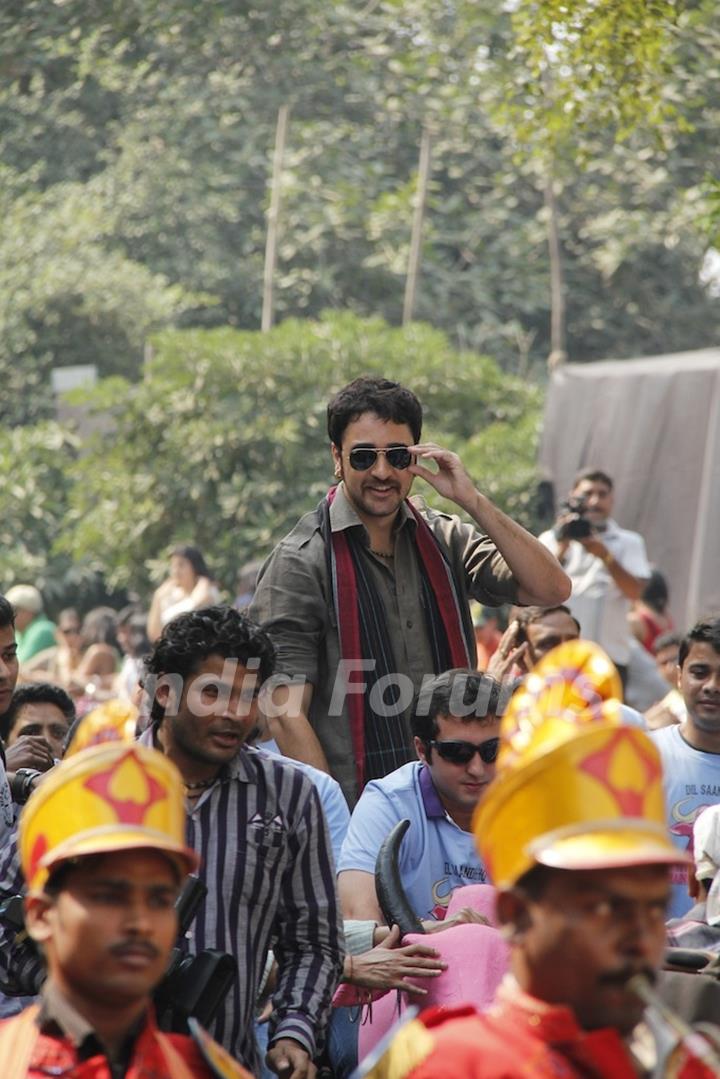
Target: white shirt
point(596, 601)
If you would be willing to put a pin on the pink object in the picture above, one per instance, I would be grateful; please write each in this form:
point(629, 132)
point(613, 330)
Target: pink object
point(481, 897)
point(477, 958)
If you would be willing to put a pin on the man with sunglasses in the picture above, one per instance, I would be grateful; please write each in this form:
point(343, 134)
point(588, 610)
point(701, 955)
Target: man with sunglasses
point(456, 727)
point(369, 594)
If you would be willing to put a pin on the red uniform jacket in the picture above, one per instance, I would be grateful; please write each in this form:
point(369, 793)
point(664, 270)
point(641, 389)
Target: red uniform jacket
point(520, 1038)
point(28, 1053)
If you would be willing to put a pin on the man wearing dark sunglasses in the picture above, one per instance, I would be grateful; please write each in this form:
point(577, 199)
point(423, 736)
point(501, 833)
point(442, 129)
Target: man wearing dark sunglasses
point(369, 593)
point(456, 727)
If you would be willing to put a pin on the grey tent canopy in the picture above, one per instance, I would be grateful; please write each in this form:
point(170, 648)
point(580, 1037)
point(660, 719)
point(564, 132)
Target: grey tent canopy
point(653, 424)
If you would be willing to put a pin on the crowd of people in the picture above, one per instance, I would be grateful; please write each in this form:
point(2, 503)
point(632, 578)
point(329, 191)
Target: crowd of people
point(416, 755)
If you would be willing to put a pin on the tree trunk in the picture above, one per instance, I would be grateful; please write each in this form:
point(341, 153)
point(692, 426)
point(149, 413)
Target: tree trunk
point(417, 225)
point(558, 352)
point(273, 220)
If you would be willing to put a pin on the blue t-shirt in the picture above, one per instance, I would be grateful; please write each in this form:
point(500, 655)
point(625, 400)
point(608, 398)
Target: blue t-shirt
point(692, 782)
point(330, 793)
point(436, 855)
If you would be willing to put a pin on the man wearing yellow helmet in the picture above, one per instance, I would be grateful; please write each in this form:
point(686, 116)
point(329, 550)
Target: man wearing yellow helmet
point(572, 832)
point(103, 853)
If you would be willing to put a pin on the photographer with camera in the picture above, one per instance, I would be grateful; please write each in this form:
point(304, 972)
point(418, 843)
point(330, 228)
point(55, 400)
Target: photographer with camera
point(608, 565)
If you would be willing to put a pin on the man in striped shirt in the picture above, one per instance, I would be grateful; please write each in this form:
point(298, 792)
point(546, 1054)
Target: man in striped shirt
point(257, 824)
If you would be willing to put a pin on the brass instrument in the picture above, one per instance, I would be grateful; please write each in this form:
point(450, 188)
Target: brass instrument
point(701, 1042)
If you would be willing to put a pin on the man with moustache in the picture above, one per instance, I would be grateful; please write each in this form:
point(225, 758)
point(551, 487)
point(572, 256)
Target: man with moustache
point(103, 854)
point(532, 632)
point(39, 710)
point(369, 594)
point(572, 832)
point(257, 824)
point(608, 566)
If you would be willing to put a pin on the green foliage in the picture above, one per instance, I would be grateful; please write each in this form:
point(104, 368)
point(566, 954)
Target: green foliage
point(67, 296)
point(580, 65)
point(35, 464)
point(223, 443)
point(136, 141)
point(501, 457)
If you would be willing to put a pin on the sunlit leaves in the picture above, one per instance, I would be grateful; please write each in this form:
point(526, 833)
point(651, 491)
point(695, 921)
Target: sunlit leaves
point(583, 64)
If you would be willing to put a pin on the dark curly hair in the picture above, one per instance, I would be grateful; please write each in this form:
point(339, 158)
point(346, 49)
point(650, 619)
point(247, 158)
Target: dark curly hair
point(190, 638)
point(388, 400)
point(213, 631)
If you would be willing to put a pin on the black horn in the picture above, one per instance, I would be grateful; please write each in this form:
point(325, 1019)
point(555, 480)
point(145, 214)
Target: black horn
point(391, 895)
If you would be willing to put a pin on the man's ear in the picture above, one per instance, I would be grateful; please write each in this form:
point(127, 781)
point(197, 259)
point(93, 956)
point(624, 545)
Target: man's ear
point(168, 691)
point(527, 659)
point(420, 749)
point(37, 917)
point(678, 673)
point(513, 913)
point(337, 459)
point(162, 693)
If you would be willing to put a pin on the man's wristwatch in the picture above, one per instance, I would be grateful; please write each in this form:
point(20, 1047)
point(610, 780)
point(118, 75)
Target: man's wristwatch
point(24, 784)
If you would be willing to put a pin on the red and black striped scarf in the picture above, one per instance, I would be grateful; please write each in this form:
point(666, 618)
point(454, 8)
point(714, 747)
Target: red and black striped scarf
point(379, 739)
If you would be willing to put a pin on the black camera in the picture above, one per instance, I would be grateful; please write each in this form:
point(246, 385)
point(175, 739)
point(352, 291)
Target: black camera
point(578, 526)
point(194, 985)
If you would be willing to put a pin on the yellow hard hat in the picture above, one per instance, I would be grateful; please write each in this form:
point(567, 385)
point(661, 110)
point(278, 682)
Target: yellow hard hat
point(109, 797)
point(113, 721)
point(576, 683)
point(574, 787)
point(586, 665)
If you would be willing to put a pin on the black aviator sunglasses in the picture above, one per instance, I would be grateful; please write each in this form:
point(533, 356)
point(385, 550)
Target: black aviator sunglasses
point(463, 752)
point(364, 457)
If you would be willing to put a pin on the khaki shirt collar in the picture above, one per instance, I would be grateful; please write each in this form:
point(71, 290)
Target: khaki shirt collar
point(57, 1013)
point(56, 1008)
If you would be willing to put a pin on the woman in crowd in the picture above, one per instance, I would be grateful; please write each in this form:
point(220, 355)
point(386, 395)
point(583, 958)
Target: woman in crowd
point(133, 639)
point(650, 617)
point(58, 664)
point(188, 588)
